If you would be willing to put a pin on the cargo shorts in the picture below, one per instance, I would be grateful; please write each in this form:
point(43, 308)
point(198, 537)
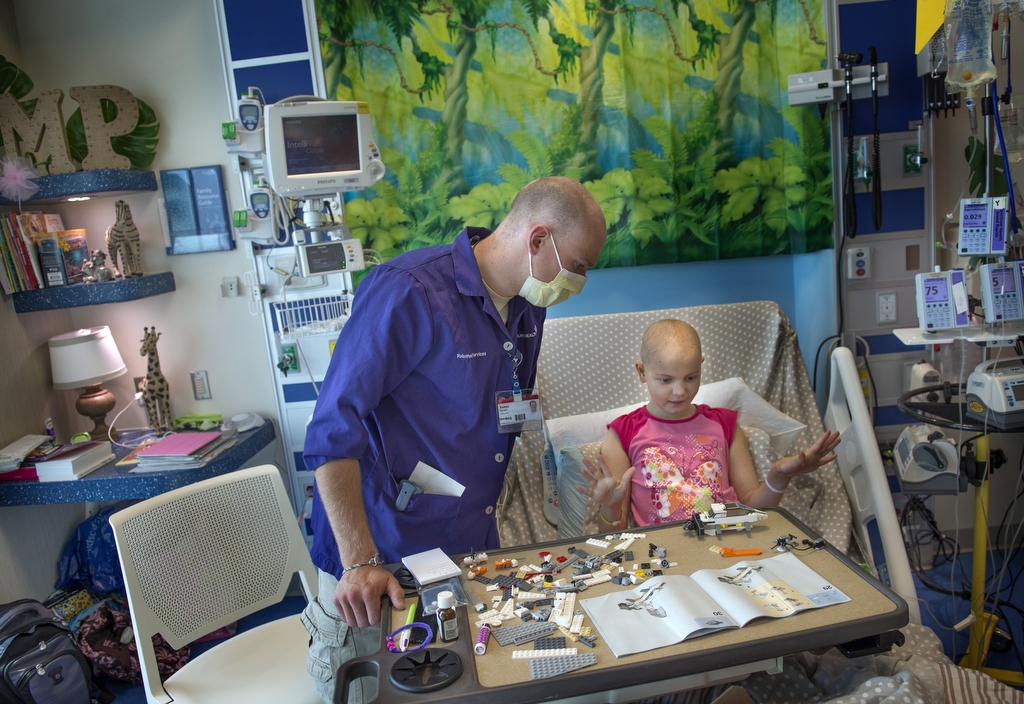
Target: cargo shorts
point(333, 642)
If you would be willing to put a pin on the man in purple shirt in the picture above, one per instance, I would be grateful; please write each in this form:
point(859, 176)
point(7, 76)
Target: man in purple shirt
point(435, 336)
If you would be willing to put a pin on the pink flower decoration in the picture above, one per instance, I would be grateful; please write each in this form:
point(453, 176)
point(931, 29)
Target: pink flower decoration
point(17, 179)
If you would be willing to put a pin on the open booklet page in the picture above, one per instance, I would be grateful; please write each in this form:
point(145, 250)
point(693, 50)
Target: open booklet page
point(667, 610)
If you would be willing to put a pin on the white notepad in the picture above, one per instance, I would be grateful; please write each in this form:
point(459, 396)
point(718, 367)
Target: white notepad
point(431, 566)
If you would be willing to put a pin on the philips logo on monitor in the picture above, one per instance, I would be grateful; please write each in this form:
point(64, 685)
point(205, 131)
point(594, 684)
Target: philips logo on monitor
point(326, 180)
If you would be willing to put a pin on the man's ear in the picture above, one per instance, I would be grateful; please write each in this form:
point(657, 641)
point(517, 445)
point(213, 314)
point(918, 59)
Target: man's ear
point(537, 235)
point(640, 371)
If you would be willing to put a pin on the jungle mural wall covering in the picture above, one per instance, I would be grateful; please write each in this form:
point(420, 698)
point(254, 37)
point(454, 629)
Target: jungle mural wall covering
point(672, 113)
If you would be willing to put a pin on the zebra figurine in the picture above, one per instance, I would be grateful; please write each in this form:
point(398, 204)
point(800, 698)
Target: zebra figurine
point(155, 392)
point(123, 237)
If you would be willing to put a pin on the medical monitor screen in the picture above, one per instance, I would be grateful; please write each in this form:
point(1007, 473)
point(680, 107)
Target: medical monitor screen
point(976, 215)
point(1018, 392)
point(316, 144)
point(935, 291)
point(1003, 281)
point(325, 258)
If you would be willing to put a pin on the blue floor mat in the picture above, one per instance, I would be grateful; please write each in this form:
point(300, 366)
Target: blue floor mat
point(941, 612)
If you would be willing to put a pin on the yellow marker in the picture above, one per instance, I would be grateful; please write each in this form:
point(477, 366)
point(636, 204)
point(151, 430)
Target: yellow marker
point(403, 641)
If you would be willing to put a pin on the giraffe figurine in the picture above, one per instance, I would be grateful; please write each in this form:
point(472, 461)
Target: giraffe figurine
point(155, 392)
point(123, 238)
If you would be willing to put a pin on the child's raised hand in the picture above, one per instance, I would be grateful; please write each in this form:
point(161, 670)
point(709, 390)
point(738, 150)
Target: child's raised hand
point(601, 484)
point(810, 459)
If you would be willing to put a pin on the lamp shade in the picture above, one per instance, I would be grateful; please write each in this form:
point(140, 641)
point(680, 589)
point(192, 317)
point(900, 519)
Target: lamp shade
point(84, 357)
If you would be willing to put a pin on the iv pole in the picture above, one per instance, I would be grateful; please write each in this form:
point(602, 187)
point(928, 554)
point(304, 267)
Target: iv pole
point(980, 635)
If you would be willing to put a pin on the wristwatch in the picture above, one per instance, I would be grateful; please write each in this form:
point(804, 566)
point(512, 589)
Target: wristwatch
point(372, 562)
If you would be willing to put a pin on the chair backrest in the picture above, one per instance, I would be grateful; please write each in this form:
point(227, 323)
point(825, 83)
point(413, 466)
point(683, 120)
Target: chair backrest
point(202, 556)
point(860, 464)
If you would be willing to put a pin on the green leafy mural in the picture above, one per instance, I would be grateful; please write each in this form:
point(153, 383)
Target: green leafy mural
point(672, 113)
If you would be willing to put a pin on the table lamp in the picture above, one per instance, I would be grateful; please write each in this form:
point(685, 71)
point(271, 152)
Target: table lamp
point(86, 358)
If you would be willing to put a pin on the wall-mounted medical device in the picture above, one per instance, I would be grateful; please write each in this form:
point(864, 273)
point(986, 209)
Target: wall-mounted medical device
point(250, 110)
point(926, 461)
point(320, 148)
point(260, 201)
point(330, 257)
point(1001, 292)
point(995, 395)
point(942, 300)
point(829, 85)
point(983, 227)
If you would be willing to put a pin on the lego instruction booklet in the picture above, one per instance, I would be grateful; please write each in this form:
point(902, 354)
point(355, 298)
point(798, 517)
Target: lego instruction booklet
point(667, 610)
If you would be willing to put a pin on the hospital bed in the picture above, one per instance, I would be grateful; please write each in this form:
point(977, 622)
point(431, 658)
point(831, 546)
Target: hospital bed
point(585, 370)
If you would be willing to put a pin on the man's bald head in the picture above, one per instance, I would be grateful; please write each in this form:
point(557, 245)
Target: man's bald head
point(561, 203)
point(669, 338)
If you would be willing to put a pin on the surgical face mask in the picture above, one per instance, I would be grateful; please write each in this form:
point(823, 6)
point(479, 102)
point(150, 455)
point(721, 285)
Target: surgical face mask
point(560, 288)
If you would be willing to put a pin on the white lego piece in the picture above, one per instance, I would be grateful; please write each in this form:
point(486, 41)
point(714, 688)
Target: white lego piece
point(594, 581)
point(508, 608)
point(475, 558)
point(548, 653)
point(522, 611)
point(493, 587)
point(598, 543)
point(577, 623)
point(624, 544)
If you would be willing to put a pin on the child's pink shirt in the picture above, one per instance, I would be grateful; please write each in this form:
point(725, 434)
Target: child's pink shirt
point(682, 466)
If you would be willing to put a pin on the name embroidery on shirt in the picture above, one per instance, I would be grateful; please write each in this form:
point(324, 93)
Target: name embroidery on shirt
point(471, 355)
point(529, 334)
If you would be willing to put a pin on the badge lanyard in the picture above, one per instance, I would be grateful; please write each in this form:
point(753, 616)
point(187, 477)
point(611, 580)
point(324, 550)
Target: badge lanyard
point(518, 409)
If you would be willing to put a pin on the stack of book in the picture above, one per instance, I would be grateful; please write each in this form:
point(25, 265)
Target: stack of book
point(36, 252)
point(185, 450)
point(74, 462)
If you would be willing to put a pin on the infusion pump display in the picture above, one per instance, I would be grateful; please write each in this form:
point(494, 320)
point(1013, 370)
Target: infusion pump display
point(942, 300)
point(983, 224)
point(1001, 292)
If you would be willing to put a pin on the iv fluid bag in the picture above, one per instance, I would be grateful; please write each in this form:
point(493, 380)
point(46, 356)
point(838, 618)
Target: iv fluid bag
point(969, 44)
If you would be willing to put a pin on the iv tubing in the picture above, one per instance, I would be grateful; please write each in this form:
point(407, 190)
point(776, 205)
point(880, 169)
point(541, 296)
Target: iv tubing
point(1006, 162)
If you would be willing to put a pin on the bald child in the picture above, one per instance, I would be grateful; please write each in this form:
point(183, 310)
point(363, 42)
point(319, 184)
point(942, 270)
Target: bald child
point(671, 457)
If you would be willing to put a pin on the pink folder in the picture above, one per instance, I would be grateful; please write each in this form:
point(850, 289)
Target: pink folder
point(180, 444)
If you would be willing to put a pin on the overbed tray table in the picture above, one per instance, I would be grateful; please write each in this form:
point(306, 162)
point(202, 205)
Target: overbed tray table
point(871, 616)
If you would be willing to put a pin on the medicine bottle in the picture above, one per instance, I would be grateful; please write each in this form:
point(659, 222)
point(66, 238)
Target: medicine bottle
point(447, 621)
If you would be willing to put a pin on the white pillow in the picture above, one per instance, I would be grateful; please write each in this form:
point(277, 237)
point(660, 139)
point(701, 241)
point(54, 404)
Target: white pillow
point(734, 394)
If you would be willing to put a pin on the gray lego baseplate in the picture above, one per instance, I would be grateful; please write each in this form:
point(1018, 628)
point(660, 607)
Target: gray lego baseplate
point(552, 667)
point(517, 635)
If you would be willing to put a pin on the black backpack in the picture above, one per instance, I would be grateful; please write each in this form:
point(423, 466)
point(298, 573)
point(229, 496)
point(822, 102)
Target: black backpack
point(40, 663)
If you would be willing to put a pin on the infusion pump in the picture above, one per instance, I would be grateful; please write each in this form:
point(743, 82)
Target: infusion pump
point(1001, 292)
point(983, 224)
point(995, 395)
point(942, 300)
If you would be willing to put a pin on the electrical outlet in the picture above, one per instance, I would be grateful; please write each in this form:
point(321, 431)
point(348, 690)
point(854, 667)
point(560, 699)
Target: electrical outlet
point(886, 307)
point(229, 287)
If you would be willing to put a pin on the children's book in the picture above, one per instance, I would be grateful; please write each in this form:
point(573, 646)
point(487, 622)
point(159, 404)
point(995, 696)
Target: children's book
point(75, 248)
point(666, 610)
point(51, 260)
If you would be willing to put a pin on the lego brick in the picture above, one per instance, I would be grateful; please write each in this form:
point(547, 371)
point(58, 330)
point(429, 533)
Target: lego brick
point(549, 642)
point(598, 542)
point(517, 635)
point(549, 653)
point(542, 668)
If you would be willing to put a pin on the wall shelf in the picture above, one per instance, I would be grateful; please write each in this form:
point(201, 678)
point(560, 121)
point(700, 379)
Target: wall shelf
point(77, 295)
point(100, 183)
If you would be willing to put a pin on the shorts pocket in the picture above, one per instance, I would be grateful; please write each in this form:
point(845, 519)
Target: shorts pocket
point(327, 642)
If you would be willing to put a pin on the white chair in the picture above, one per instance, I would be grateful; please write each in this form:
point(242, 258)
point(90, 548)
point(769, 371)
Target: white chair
point(199, 557)
point(860, 463)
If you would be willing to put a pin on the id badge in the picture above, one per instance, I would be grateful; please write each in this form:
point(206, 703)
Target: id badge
point(519, 411)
